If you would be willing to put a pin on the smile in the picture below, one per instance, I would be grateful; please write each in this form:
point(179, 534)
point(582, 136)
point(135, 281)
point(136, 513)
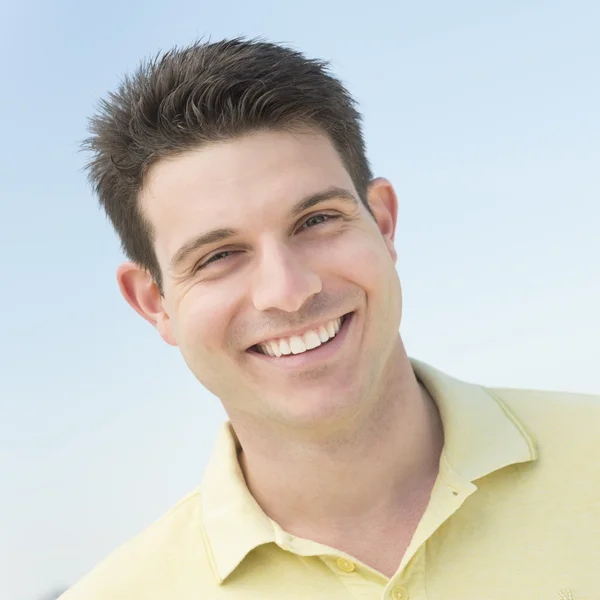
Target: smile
point(302, 342)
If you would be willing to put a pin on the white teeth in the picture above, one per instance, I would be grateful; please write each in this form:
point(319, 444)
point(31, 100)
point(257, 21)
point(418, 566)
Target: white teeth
point(275, 347)
point(297, 345)
point(323, 335)
point(311, 340)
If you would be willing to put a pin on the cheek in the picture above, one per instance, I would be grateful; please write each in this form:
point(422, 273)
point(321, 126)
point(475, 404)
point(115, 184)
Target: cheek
point(365, 261)
point(362, 259)
point(203, 321)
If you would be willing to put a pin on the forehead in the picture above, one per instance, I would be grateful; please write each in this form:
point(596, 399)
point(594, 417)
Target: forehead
point(237, 183)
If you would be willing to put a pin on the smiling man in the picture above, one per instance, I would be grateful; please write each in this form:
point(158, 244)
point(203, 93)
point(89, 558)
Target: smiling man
point(261, 246)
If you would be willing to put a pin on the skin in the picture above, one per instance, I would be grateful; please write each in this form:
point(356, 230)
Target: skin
point(343, 449)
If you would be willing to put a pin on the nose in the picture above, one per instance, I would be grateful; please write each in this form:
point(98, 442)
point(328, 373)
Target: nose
point(283, 280)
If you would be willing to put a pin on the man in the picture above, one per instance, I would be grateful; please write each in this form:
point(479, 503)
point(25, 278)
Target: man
point(260, 244)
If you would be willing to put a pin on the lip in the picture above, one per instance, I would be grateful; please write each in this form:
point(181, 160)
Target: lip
point(311, 358)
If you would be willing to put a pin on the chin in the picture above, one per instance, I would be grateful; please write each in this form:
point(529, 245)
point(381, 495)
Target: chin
point(317, 409)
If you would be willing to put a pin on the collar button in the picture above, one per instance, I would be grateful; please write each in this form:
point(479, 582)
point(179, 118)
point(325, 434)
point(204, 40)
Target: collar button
point(346, 565)
point(399, 593)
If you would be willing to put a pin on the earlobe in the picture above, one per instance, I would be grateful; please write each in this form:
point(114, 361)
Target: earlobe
point(384, 205)
point(142, 294)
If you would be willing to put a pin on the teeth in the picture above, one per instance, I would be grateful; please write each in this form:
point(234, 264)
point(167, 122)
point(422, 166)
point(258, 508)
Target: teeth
point(298, 344)
point(323, 335)
point(311, 340)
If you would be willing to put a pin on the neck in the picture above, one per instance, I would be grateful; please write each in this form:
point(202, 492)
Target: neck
point(372, 471)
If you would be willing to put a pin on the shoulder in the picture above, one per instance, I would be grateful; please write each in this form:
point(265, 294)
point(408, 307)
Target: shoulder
point(550, 409)
point(160, 559)
point(563, 425)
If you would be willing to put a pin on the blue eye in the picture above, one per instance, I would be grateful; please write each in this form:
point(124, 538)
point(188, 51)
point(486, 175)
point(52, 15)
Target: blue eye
point(216, 258)
point(317, 220)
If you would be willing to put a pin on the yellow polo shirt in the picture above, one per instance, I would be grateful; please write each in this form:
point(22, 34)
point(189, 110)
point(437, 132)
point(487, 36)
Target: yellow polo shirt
point(514, 515)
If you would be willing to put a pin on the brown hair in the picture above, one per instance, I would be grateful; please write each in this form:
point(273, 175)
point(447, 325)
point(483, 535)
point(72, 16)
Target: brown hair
point(204, 93)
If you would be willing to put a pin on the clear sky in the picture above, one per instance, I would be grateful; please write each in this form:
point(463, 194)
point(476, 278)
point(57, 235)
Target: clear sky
point(483, 114)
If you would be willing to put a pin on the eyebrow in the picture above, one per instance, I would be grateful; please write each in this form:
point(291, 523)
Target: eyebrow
point(219, 235)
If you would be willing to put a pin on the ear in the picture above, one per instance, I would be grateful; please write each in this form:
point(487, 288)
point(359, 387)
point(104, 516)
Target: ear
point(384, 205)
point(142, 294)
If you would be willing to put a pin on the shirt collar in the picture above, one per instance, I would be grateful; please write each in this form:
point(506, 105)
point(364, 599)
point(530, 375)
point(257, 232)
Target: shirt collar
point(481, 435)
point(234, 523)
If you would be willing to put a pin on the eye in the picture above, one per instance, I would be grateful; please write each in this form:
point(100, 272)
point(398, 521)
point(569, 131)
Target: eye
point(317, 220)
point(217, 257)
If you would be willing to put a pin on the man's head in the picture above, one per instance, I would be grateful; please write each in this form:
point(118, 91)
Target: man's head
point(207, 93)
point(236, 177)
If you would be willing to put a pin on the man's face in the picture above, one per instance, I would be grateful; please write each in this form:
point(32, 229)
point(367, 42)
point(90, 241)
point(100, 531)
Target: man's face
point(264, 246)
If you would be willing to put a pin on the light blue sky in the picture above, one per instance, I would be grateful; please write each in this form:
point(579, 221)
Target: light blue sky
point(483, 114)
